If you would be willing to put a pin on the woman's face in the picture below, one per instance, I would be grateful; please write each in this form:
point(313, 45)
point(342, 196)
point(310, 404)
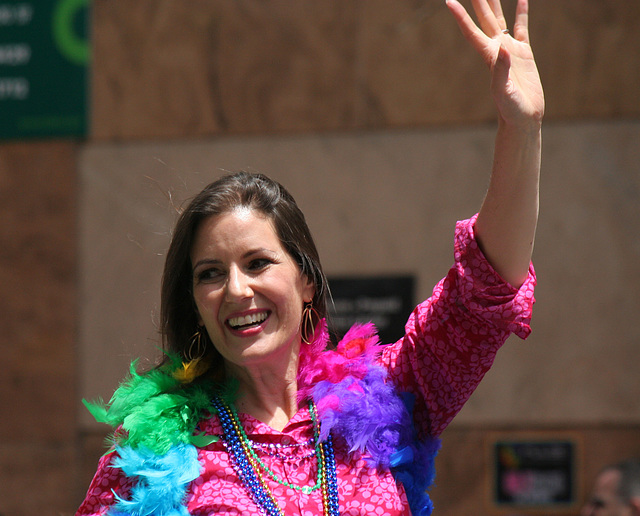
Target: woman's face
point(248, 291)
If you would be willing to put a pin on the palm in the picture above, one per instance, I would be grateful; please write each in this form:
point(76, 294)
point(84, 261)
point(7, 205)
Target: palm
point(515, 83)
point(521, 94)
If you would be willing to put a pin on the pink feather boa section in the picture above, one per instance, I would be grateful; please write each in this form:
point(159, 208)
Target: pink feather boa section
point(352, 395)
point(352, 358)
point(358, 405)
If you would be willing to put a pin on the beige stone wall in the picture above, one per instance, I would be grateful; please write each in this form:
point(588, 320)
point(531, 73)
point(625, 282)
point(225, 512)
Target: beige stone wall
point(363, 87)
point(386, 203)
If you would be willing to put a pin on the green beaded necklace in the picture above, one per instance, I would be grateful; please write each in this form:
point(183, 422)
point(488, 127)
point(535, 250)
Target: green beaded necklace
point(246, 445)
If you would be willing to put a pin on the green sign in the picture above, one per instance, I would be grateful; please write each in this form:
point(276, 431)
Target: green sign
point(44, 58)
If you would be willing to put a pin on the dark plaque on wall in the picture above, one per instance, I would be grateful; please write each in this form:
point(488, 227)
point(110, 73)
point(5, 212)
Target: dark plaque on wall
point(534, 473)
point(385, 301)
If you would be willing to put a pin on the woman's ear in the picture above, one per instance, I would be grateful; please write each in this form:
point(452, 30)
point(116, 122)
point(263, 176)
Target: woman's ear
point(308, 290)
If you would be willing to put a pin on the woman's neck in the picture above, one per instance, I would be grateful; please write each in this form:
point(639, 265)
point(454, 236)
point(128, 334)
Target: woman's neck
point(268, 396)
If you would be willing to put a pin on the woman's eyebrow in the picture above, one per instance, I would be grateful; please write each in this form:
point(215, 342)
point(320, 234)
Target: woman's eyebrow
point(205, 261)
point(248, 254)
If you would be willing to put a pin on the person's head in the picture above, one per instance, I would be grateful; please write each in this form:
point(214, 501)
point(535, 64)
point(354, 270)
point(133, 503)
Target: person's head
point(616, 491)
point(262, 196)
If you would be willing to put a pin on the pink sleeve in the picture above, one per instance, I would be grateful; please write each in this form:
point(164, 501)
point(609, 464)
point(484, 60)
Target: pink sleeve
point(451, 339)
point(100, 497)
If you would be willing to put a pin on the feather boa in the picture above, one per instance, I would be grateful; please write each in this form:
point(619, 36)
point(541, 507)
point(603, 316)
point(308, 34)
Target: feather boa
point(156, 415)
point(156, 410)
point(163, 479)
point(356, 403)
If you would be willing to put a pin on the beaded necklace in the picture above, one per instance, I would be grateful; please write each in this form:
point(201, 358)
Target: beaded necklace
point(249, 466)
point(278, 450)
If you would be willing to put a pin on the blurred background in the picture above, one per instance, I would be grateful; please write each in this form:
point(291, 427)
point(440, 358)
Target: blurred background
point(377, 116)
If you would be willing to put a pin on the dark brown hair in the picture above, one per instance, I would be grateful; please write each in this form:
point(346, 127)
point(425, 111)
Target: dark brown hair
point(178, 317)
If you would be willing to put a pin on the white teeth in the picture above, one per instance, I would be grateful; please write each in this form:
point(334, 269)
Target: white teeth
point(236, 322)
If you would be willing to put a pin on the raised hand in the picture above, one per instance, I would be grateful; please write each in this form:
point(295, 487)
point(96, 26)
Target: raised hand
point(515, 83)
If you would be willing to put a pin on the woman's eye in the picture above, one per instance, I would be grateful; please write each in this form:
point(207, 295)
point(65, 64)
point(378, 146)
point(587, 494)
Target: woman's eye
point(209, 275)
point(259, 263)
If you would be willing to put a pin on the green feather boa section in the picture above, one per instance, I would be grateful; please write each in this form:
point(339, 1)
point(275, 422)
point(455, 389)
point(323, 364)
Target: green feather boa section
point(158, 409)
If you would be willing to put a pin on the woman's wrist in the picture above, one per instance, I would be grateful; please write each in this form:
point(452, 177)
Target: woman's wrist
point(527, 127)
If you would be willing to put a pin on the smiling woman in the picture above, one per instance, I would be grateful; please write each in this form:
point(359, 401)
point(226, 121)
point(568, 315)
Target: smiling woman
point(252, 411)
point(249, 295)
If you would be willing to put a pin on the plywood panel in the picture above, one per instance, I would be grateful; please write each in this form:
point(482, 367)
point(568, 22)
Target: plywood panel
point(38, 316)
point(37, 274)
point(181, 69)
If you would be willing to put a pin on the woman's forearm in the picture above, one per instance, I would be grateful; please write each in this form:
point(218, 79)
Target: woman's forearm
point(506, 224)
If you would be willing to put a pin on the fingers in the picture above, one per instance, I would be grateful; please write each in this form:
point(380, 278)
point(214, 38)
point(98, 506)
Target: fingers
point(492, 21)
point(469, 29)
point(487, 16)
point(521, 26)
point(496, 8)
point(466, 24)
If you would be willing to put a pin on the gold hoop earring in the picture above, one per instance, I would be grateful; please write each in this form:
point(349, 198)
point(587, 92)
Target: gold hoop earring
point(309, 318)
point(197, 343)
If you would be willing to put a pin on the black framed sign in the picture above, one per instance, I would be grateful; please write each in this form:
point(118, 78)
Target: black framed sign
point(536, 473)
point(386, 301)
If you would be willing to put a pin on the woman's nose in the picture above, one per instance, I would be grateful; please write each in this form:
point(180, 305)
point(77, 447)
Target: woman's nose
point(238, 285)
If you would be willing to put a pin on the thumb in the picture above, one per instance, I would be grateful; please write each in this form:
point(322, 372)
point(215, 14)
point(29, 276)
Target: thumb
point(501, 67)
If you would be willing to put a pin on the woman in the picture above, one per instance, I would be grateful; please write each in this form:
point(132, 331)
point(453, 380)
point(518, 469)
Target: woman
point(250, 413)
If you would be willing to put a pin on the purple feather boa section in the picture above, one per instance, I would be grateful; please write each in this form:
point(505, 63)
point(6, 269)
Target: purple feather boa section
point(357, 404)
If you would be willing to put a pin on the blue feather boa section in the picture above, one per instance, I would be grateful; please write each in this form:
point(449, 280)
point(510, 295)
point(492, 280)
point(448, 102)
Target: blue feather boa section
point(162, 480)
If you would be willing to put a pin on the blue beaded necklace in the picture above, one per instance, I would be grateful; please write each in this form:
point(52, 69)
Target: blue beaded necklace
point(249, 466)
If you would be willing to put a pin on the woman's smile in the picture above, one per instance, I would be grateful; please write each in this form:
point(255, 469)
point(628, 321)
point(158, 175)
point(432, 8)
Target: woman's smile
point(254, 320)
